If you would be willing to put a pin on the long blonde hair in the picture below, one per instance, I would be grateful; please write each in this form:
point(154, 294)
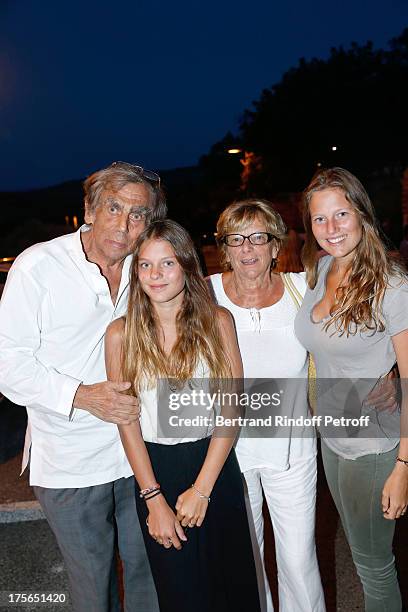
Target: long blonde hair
point(358, 305)
point(198, 333)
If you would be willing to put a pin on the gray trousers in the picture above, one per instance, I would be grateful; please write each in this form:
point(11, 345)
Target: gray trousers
point(356, 486)
point(87, 524)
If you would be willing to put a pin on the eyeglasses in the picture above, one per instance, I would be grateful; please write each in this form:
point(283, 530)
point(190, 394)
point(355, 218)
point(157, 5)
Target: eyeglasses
point(257, 238)
point(149, 175)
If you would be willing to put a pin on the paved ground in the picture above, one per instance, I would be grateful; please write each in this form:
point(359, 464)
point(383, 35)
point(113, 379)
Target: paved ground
point(30, 561)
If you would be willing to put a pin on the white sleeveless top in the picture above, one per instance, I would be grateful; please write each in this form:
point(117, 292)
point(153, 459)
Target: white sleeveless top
point(270, 349)
point(163, 418)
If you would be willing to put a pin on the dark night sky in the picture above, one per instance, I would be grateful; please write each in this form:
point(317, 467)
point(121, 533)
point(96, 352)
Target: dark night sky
point(85, 82)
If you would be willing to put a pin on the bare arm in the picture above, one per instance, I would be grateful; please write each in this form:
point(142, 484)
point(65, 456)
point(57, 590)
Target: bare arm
point(191, 508)
point(107, 400)
point(395, 492)
point(162, 523)
point(130, 433)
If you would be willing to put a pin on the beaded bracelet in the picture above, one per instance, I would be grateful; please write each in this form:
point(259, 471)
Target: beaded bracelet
point(151, 495)
point(201, 494)
point(144, 492)
point(404, 461)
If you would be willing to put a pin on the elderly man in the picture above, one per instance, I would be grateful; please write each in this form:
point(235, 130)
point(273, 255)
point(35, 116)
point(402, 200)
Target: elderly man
point(58, 300)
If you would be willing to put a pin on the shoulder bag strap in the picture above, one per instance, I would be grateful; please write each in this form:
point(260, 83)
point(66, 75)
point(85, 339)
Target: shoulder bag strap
point(292, 289)
point(297, 299)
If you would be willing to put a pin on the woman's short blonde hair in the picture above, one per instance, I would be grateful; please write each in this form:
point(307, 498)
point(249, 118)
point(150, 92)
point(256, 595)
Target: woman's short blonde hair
point(238, 215)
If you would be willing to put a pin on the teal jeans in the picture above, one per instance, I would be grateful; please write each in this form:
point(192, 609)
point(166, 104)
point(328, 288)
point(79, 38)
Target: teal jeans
point(356, 487)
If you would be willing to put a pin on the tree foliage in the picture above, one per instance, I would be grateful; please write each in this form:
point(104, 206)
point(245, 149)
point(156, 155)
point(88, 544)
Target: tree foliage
point(356, 100)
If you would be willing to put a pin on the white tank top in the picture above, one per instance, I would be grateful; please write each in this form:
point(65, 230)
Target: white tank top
point(163, 418)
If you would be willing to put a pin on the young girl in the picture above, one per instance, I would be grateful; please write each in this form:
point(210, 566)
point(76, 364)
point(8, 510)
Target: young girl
point(190, 504)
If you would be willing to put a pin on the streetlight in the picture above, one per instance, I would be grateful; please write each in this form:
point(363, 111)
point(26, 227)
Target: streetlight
point(250, 163)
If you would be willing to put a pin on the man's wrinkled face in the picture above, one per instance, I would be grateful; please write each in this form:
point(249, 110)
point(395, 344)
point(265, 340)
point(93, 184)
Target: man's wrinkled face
point(118, 221)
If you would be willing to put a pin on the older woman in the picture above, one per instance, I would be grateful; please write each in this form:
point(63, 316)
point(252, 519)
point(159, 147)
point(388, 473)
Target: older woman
point(354, 320)
point(250, 234)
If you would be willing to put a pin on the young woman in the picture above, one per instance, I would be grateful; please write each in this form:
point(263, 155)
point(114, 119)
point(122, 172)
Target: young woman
point(354, 320)
point(191, 504)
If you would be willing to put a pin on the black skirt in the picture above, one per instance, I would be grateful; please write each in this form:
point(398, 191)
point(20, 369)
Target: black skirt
point(215, 570)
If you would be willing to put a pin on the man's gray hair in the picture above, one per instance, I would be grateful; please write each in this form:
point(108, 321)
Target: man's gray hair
point(117, 176)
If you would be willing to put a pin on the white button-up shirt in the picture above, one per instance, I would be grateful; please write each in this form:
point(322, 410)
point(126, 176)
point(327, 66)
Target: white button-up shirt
point(54, 311)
